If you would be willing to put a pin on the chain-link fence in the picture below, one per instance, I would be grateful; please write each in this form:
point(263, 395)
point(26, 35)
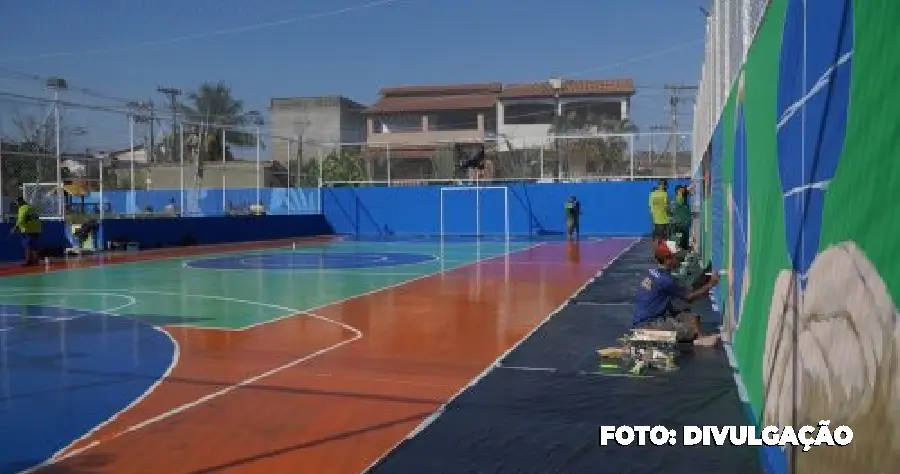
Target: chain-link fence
point(145, 167)
point(731, 26)
point(553, 158)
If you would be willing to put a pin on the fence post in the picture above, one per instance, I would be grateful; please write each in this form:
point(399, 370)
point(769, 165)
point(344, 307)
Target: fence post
point(258, 169)
point(2, 187)
point(132, 198)
point(224, 169)
point(181, 167)
point(388, 147)
point(631, 155)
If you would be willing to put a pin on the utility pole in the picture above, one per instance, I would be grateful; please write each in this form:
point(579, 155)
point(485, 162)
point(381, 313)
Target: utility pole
point(172, 93)
point(676, 97)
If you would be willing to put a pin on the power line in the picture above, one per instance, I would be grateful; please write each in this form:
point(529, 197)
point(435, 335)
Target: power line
point(210, 34)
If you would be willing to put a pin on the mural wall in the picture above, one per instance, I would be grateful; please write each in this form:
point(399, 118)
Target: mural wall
point(799, 208)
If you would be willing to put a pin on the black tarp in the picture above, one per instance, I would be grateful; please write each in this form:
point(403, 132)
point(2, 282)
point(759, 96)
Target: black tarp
point(538, 412)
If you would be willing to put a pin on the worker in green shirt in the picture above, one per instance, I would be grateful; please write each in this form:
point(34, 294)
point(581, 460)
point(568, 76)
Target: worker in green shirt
point(659, 212)
point(28, 224)
point(573, 218)
point(681, 216)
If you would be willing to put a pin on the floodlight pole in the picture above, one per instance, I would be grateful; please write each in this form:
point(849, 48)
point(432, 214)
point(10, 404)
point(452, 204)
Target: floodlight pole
point(57, 84)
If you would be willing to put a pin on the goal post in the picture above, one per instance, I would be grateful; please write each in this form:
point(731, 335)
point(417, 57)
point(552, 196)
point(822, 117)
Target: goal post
point(481, 195)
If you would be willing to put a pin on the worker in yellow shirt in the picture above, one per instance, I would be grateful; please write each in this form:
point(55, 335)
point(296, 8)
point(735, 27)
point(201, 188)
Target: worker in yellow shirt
point(28, 224)
point(659, 212)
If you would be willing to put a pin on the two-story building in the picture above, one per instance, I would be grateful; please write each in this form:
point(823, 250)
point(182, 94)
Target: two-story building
point(415, 122)
point(526, 112)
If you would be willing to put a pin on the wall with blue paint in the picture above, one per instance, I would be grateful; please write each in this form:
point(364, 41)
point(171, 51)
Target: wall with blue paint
point(211, 201)
point(167, 232)
point(804, 170)
point(609, 208)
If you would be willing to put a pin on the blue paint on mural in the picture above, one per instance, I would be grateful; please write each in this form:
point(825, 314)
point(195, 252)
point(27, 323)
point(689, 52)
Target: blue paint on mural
point(812, 115)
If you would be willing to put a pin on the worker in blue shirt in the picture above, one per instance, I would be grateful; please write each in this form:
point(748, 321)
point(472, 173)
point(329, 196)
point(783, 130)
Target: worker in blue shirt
point(653, 305)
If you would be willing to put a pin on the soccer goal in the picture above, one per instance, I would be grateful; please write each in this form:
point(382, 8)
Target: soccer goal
point(474, 211)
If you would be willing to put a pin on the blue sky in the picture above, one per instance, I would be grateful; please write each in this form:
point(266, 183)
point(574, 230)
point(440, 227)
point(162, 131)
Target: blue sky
point(127, 48)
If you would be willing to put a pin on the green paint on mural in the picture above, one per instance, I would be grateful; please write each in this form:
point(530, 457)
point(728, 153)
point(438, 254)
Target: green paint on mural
point(767, 250)
point(859, 204)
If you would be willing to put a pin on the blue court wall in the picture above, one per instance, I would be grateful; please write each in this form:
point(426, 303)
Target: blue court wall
point(613, 208)
point(167, 232)
point(212, 201)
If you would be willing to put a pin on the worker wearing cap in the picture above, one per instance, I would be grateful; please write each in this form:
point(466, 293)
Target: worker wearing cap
point(653, 304)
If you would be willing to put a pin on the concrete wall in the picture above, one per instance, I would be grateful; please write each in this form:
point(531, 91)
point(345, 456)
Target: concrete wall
point(236, 174)
point(610, 208)
point(319, 122)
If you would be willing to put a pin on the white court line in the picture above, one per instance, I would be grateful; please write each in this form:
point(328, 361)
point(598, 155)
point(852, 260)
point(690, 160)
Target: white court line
point(463, 264)
point(59, 456)
point(176, 354)
point(130, 301)
point(434, 416)
point(249, 381)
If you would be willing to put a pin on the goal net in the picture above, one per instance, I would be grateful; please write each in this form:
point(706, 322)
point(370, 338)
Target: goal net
point(474, 211)
point(46, 198)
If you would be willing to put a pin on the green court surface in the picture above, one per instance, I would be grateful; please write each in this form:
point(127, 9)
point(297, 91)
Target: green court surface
point(229, 296)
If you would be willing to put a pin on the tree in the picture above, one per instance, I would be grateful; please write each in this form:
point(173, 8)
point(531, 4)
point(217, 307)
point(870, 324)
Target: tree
point(344, 166)
point(213, 106)
point(596, 147)
point(29, 155)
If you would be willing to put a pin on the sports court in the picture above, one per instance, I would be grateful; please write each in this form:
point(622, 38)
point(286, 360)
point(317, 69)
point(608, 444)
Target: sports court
point(310, 355)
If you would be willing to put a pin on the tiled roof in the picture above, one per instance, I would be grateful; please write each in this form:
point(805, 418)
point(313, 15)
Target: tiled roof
point(425, 104)
point(484, 96)
point(569, 88)
point(438, 90)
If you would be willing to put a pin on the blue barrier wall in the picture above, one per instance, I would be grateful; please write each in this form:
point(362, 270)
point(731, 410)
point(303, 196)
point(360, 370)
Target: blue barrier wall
point(212, 202)
point(609, 208)
point(166, 232)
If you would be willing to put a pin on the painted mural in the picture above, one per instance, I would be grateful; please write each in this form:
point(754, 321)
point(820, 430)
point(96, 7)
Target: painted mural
point(804, 165)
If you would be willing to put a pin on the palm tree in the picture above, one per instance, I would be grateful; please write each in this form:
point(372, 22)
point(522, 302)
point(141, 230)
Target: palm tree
point(215, 109)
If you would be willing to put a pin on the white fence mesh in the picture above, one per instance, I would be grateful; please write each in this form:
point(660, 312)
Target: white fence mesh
point(730, 28)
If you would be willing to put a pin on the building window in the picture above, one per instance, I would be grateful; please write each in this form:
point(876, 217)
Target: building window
point(453, 120)
point(528, 114)
point(398, 123)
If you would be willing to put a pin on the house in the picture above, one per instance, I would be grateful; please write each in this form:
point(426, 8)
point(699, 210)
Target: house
point(413, 123)
point(526, 112)
point(308, 126)
point(124, 157)
point(417, 122)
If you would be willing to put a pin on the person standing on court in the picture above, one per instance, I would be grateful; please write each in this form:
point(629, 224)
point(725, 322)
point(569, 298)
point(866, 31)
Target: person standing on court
point(659, 212)
point(28, 224)
point(681, 216)
point(573, 218)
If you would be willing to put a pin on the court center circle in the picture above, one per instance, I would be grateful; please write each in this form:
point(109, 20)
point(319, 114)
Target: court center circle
point(311, 261)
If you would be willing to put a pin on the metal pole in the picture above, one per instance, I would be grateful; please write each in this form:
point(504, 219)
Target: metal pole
point(59, 195)
point(181, 167)
point(224, 205)
point(132, 198)
point(2, 187)
point(389, 164)
point(558, 115)
point(631, 155)
point(541, 163)
point(258, 168)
